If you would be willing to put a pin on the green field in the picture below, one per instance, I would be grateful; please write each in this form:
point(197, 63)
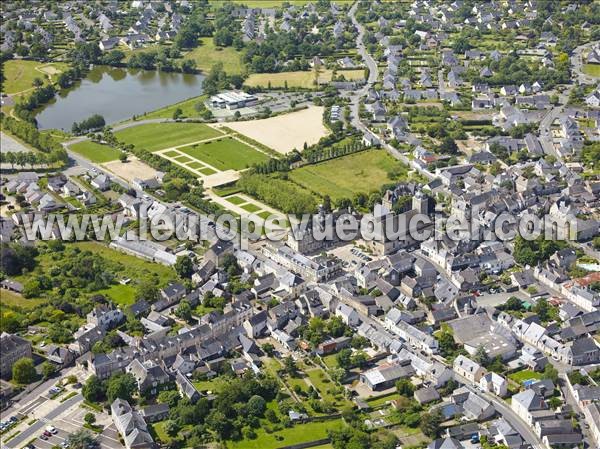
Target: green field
point(592, 70)
point(19, 74)
point(225, 154)
point(96, 152)
point(251, 208)
point(123, 295)
point(207, 54)
point(236, 200)
point(293, 435)
point(304, 79)
point(158, 136)
point(526, 374)
point(345, 176)
point(11, 299)
point(132, 267)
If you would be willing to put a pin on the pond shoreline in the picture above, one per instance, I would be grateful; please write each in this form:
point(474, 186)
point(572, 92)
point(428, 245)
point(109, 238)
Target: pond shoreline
point(117, 94)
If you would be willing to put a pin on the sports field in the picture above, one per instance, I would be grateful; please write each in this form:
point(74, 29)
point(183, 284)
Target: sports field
point(346, 176)
point(225, 154)
point(96, 152)
point(158, 136)
point(304, 79)
point(285, 132)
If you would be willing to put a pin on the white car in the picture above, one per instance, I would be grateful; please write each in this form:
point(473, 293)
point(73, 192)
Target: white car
point(52, 430)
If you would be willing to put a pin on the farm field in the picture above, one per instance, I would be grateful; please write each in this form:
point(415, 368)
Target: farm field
point(96, 152)
point(19, 74)
point(207, 54)
point(348, 175)
point(592, 70)
point(158, 136)
point(225, 154)
point(304, 79)
point(285, 132)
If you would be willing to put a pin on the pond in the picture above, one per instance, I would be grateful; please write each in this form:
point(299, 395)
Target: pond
point(117, 94)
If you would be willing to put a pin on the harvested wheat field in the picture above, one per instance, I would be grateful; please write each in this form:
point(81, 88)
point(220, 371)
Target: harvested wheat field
point(130, 170)
point(285, 132)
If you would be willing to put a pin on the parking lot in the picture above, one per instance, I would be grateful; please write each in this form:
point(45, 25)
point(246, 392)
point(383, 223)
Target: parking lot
point(352, 256)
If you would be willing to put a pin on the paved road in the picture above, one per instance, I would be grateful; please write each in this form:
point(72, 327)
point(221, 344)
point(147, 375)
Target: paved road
point(32, 430)
point(355, 98)
point(507, 413)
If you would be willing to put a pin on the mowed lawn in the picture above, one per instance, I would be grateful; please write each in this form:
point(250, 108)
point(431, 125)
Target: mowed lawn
point(96, 152)
point(299, 433)
point(19, 74)
point(304, 79)
point(158, 136)
point(348, 175)
point(592, 70)
point(207, 54)
point(225, 154)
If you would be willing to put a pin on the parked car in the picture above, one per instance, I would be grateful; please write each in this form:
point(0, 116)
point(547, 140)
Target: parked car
point(52, 430)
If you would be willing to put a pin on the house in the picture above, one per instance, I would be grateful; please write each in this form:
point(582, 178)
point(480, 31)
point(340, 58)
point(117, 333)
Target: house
point(348, 315)
point(426, 395)
point(105, 316)
point(12, 348)
point(109, 44)
point(131, 426)
point(386, 375)
point(592, 415)
point(148, 375)
point(526, 402)
point(155, 412)
point(583, 351)
point(101, 182)
point(186, 388)
point(494, 383)
point(445, 443)
point(468, 369)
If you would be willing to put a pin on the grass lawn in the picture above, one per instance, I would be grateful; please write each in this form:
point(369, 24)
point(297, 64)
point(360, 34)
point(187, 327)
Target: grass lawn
point(158, 136)
point(330, 361)
point(9, 298)
point(207, 54)
point(375, 402)
point(288, 436)
point(236, 200)
point(123, 295)
point(171, 153)
point(207, 171)
point(19, 74)
point(526, 374)
point(210, 385)
point(225, 154)
point(591, 70)
point(251, 207)
point(183, 159)
point(188, 109)
point(96, 152)
point(345, 176)
point(304, 79)
point(322, 383)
